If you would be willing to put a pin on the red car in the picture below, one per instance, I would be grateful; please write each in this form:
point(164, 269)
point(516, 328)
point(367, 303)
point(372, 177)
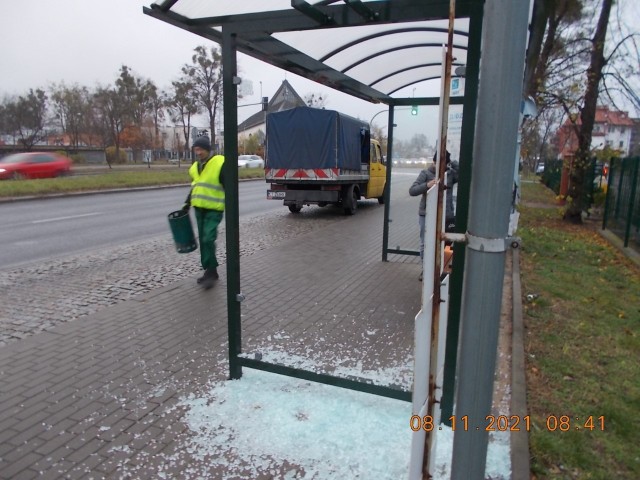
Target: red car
point(34, 165)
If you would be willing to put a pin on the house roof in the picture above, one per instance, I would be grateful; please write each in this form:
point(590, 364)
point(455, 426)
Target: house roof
point(375, 50)
point(604, 116)
point(613, 117)
point(285, 98)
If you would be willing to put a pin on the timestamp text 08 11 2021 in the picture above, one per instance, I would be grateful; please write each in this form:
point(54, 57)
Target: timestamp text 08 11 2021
point(512, 423)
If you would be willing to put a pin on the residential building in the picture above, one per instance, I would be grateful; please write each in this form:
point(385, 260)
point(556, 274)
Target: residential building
point(285, 98)
point(612, 128)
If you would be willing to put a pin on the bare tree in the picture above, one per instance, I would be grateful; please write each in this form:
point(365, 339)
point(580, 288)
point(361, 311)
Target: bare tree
point(136, 95)
point(575, 64)
point(71, 109)
point(575, 206)
point(182, 105)
point(205, 76)
point(380, 134)
point(158, 101)
point(620, 81)
point(138, 98)
point(110, 108)
point(25, 117)
point(548, 42)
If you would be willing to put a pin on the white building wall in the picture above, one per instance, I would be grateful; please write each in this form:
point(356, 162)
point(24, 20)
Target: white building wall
point(617, 137)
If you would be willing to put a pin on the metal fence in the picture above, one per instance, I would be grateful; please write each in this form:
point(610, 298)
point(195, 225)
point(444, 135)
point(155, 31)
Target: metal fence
point(594, 178)
point(552, 174)
point(622, 204)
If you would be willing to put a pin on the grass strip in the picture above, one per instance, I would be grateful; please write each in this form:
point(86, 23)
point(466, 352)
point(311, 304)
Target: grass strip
point(582, 318)
point(107, 180)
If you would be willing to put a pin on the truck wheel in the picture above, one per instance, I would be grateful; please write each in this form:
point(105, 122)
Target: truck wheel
point(350, 200)
point(294, 208)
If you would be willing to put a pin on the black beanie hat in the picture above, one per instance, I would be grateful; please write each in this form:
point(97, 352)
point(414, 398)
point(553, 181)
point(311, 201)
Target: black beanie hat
point(448, 156)
point(202, 142)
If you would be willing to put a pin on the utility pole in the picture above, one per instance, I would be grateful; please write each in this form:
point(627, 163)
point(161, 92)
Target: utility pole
point(504, 35)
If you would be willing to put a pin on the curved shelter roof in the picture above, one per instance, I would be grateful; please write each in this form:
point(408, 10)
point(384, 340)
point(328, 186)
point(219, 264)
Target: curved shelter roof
point(370, 49)
point(375, 50)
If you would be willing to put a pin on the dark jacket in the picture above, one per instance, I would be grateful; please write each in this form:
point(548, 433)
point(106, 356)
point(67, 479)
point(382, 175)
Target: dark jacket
point(419, 187)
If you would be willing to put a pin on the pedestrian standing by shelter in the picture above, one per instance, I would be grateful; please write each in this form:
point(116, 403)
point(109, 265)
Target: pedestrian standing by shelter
point(426, 179)
point(452, 179)
point(207, 199)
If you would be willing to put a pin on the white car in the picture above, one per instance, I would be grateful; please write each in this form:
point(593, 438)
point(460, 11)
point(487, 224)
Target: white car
point(250, 161)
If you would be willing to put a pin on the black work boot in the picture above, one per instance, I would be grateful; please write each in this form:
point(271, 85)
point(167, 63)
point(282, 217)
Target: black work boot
point(210, 272)
point(209, 278)
point(214, 273)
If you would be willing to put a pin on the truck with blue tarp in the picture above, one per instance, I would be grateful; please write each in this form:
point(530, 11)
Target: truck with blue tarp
point(319, 157)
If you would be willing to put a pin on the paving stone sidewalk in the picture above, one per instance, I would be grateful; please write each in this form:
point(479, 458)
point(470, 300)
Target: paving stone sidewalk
point(100, 397)
point(47, 294)
point(97, 398)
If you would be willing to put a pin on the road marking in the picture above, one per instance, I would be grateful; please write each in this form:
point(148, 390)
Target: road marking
point(67, 218)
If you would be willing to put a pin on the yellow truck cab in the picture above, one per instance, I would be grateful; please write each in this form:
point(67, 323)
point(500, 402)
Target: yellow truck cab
point(322, 157)
point(377, 172)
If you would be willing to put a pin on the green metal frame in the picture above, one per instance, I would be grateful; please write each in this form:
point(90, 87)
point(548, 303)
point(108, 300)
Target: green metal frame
point(622, 203)
point(462, 212)
point(248, 33)
point(401, 102)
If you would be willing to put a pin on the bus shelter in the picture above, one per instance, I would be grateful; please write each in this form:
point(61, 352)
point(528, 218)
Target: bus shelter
point(372, 50)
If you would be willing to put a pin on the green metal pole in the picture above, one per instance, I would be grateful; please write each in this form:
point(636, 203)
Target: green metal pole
point(387, 190)
point(462, 210)
point(634, 183)
point(616, 210)
point(230, 82)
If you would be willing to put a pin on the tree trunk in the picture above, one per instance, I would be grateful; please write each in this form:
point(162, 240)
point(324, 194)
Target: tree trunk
point(577, 187)
point(538, 26)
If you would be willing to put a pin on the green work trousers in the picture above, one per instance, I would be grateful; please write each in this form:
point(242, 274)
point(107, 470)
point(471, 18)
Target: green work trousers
point(208, 221)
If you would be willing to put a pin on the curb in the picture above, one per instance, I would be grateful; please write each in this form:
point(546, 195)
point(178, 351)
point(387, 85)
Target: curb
point(88, 192)
point(617, 242)
point(520, 468)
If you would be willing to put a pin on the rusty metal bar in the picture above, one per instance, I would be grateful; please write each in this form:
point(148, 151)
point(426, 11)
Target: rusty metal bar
point(437, 271)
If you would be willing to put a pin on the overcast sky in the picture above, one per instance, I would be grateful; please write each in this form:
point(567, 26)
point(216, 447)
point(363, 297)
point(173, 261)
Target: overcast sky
point(86, 41)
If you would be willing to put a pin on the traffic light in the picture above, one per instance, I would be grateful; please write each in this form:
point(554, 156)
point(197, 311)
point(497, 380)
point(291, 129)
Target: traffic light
point(414, 110)
point(265, 103)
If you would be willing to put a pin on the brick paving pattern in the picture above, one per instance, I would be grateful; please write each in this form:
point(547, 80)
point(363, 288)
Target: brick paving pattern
point(57, 291)
point(99, 397)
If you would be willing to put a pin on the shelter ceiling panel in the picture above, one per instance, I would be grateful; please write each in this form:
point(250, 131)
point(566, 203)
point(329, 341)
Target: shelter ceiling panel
point(369, 49)
point(210, 8)
point(398, 61)
point(429, 77)
point(342, 45)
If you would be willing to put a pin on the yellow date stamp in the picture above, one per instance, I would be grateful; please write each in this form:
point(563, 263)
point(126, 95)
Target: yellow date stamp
point(511, 423)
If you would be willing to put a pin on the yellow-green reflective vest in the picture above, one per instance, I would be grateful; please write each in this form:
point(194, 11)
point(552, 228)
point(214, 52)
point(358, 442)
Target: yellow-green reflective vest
point(206, 189)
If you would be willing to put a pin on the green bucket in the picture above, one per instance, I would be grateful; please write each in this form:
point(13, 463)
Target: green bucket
point(182, 231)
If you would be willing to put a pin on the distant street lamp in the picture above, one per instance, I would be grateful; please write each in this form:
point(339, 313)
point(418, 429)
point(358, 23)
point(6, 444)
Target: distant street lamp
point(382, 111)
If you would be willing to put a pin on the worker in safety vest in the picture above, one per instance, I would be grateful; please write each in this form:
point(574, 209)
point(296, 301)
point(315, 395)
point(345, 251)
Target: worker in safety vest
point(207, 199)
